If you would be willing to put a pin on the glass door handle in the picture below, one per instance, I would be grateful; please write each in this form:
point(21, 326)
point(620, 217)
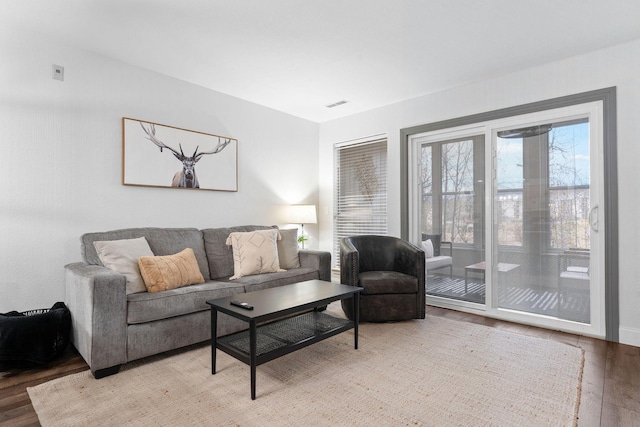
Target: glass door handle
point(593, 218)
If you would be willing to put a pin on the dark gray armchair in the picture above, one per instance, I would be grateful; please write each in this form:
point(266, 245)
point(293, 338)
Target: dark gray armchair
point(390, 270)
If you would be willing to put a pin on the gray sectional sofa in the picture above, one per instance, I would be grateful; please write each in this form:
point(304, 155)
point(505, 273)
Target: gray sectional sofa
point(110, 328)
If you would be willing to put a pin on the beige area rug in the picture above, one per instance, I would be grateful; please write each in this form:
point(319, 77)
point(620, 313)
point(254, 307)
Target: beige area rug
point(435, 372)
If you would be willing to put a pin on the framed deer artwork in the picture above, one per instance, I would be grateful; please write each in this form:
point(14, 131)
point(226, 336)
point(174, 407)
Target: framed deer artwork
point(156, 155)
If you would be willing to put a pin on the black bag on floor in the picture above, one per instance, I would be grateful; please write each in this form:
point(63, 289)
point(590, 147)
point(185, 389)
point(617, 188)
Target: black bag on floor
point(33, 337)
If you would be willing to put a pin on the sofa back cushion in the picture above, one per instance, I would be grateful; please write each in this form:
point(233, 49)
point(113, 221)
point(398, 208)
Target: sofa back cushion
point(123, 256)
point(162, 241)
point(220, 255)
point(288, 249)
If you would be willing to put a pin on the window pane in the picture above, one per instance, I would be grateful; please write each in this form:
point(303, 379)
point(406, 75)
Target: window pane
point(510, 169)
point(426, 182)
point(510, 179)
point(509, 211)
point(457, 167)
point(569, 180)
point(457, 218)
point(569, 155)
point(569, 214)
point(457, 191)
point(452, 210)
point(542, 227)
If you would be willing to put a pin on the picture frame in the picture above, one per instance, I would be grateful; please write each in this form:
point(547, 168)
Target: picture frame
point(157, 155)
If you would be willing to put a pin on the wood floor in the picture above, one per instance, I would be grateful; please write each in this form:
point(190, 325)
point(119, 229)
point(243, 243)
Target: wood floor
point(610, 384)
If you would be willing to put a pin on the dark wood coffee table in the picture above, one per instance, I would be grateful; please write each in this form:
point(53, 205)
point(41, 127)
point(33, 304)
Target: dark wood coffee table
point(284, 319)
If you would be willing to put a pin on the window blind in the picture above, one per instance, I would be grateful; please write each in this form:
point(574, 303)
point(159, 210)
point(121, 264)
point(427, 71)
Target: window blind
point(360, 205)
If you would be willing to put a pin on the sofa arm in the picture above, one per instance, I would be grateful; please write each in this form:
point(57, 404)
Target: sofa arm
point(97, 299)
point(319, 260)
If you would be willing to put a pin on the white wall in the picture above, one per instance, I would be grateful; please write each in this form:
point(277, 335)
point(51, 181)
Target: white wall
point(616, 66)
point(61, 160)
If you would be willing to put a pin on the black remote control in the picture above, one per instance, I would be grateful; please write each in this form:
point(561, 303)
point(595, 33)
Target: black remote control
point(244, 305)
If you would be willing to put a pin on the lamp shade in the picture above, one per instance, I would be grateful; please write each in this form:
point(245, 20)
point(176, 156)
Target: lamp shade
point(302, 214)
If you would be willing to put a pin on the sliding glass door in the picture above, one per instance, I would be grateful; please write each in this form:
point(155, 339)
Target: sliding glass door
point(542, 207)
point(514, 204)
point(452, 205)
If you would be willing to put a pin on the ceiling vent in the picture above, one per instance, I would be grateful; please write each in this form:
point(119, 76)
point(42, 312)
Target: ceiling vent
point(336, 104)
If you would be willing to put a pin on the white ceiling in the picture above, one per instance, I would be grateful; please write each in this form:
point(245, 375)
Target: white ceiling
point(298, 56)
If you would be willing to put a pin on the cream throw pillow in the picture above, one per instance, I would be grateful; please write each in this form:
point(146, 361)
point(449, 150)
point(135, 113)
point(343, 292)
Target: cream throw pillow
point(288, 249)
point(122, 256)
point(161, 273)
point(427, 247)
point(254, 252)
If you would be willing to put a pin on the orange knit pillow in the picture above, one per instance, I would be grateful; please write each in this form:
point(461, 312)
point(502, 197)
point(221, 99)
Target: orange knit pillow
point(161, 273)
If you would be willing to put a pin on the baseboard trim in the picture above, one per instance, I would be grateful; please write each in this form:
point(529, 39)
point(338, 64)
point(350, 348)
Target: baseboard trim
point(630, 336)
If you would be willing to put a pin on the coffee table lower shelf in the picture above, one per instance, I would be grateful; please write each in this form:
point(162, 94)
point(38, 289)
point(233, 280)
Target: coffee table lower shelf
point(285, 319)
point(282, 337)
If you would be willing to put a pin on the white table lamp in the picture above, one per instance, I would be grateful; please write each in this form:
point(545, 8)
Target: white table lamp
point(302, 214)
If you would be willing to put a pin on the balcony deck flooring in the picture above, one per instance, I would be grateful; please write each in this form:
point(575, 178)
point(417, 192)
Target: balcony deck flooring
point(569, 305)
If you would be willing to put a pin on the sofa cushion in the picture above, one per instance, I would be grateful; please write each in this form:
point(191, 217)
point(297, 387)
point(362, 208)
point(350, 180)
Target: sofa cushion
point(148, 307)
point(387, 282)
point(272, 280)
point(162, 241)
point(220, 256)
point(438, 262)
point(574, 275)
point(254, 252)
point(161, 273)
point(288, 249)
point(122, 256)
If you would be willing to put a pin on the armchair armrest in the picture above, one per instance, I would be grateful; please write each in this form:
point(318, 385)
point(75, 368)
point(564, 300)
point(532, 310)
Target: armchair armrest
point(319, 260)
point(349, 263)
point(450, 247)
point(97, 299)
point(409, 259)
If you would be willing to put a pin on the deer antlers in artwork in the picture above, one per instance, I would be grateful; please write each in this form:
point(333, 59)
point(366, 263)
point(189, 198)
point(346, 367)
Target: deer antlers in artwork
point(187, 177)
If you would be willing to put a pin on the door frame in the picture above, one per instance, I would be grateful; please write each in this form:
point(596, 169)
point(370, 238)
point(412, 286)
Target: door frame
point(610, 184)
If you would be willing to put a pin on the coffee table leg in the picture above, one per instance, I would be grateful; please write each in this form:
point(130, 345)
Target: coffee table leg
point(214, 338)
point(356, 316)
point(252, 349)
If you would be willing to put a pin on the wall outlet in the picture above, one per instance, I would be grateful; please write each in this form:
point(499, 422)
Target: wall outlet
point(58, 72)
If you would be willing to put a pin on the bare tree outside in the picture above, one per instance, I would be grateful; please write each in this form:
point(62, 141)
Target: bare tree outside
point(426, 181)
point(457, 190)
point(567, 188)
point(510, 183)
point(457, 198)
point(569, 202)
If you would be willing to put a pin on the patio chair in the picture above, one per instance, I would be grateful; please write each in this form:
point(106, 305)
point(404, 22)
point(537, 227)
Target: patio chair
point(573, 265)
point(431, 244)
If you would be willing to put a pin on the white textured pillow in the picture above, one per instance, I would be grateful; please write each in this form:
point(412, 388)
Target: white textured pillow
point(254, 252)
point(122, 256)
point(427, 247)
point(288, 249)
